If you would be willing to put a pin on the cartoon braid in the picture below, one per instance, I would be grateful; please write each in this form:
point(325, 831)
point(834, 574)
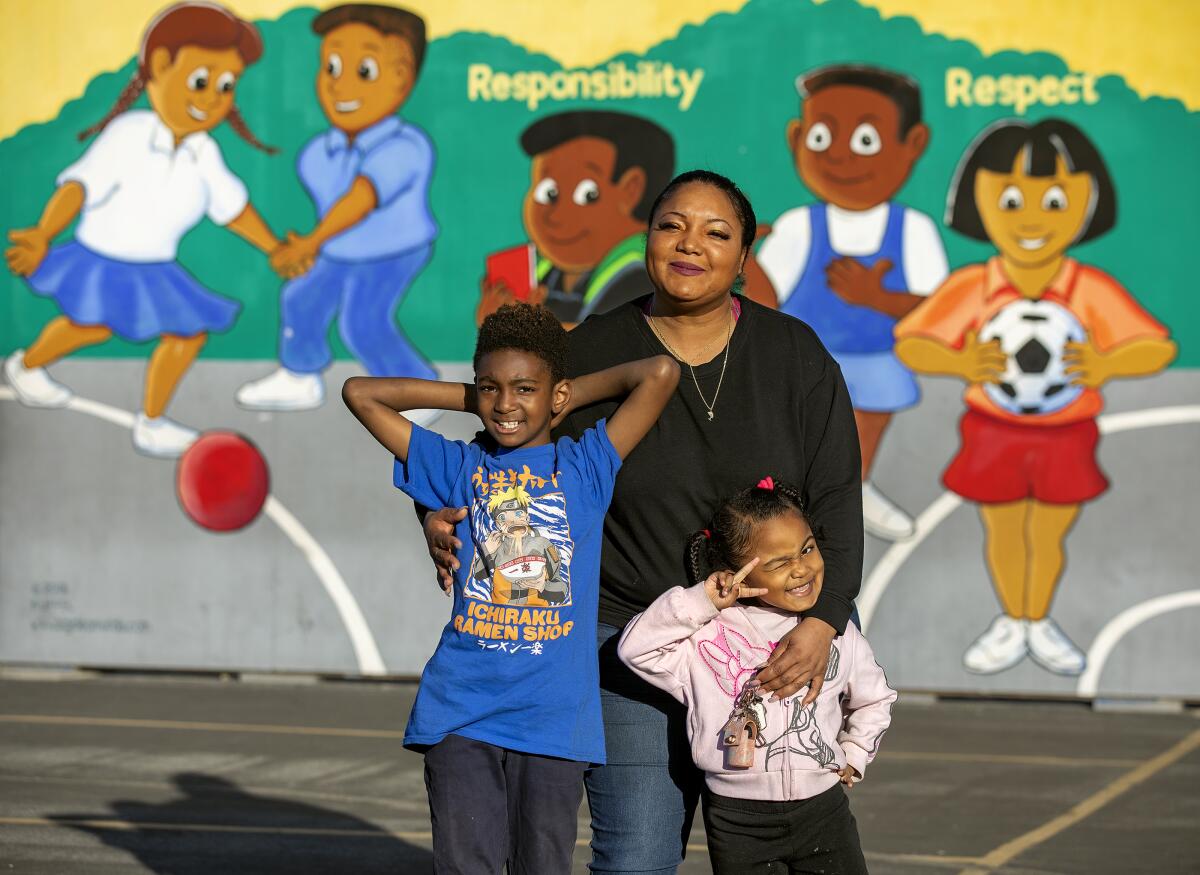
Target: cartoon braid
point(242, 130)
point(697, 557)
point(128, 96)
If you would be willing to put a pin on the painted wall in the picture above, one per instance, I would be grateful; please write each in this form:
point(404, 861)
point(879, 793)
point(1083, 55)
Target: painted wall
point(99, 564)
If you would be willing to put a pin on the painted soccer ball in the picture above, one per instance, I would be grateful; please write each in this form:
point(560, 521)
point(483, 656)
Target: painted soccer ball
point(1033, 334)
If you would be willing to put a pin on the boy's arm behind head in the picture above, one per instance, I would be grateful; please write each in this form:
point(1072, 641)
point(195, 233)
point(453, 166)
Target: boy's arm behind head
point(378, 403)
point(650, 383)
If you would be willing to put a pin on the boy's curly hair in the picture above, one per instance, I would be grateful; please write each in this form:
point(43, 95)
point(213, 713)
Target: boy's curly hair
point(528, 329)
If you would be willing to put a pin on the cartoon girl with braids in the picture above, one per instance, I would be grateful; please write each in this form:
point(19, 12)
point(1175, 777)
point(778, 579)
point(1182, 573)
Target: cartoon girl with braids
point(149, 177)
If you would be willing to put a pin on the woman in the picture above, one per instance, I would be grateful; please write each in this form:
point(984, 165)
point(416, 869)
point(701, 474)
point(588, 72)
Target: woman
point(759, 394)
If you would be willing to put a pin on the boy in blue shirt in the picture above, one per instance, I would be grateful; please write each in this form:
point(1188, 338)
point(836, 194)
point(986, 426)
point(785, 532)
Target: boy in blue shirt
point(508, 712)
point(369, 177)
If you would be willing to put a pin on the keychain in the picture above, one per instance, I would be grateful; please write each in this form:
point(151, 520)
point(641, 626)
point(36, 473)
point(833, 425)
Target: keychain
point(742, 733)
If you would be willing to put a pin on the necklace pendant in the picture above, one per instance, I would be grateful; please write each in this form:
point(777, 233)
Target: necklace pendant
point(710, 416)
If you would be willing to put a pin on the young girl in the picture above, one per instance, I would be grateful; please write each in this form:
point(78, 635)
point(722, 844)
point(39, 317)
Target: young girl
point(1032, 191)
point(148, 179)
point(774, 769)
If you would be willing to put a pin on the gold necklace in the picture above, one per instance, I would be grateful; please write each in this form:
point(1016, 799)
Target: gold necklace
point(724, 362)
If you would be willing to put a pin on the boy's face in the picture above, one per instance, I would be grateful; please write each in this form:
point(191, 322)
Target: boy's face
point(574, 212)
point(790, 566)
point(365, 75)
point(194, 90)
point(848, 147)
point(1033, 219)
point(517, 398)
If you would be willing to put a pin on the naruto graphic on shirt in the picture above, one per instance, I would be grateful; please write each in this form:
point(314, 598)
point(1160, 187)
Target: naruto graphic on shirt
point(522, 564)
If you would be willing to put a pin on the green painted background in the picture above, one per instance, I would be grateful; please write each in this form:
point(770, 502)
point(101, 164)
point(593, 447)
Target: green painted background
point(735, 126)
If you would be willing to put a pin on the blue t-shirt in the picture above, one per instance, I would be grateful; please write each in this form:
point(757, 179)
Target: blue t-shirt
point(516, 665)
point(397, 158)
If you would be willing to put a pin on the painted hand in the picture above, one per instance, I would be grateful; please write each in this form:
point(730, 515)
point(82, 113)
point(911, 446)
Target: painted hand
point(799, 660)
point(724, 588)
point(1086, 365)
point(29, 248)
point(856, 283)
point(849, 776)
point(439, 538)
point(295, 256)
point(981, 362)
point(492, 296)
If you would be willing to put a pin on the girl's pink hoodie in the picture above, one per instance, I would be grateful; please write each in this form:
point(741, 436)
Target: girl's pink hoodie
point(702, 657)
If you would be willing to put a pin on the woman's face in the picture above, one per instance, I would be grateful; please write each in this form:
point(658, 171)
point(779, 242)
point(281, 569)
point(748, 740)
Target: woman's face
point(694, 248)
point(1033, 219)
point(194, 91)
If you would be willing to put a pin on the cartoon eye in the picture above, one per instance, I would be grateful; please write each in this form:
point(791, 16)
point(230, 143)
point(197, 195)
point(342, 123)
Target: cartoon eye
point(587, 192)
point(819, 137)
point(865, 140)
point(368, 69)
point(197, 80)
point(1011, 199)
point(333, 66)
point(546, 191)
point(1054, 199)
point(225, 83)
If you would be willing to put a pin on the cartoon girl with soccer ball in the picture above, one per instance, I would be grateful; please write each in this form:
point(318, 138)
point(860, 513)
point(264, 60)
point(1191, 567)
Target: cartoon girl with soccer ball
point(1028, 452)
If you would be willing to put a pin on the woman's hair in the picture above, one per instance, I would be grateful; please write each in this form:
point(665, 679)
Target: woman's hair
point(725, 544)
point(737, 198)
point(190, 24)
point(1043, 143)
point(526, 328)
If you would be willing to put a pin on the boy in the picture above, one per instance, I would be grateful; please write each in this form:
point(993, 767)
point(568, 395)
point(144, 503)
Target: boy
point(508, 712)
point(369, 177)
point(854, 263)
point(593, 177)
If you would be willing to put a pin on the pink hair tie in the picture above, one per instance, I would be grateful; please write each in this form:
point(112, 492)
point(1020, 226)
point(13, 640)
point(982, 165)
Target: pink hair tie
point(767, 483)
point(707, 534)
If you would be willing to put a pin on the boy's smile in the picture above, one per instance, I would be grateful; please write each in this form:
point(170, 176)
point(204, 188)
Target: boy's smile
point(516, 397)
point(848, 149)
point(574, 211)
point(365, 76)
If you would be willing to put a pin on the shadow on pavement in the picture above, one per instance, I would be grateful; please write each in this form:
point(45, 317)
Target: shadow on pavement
point(265, 835)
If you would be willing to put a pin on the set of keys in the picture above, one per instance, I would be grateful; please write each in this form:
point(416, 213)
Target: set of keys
point(743, 732)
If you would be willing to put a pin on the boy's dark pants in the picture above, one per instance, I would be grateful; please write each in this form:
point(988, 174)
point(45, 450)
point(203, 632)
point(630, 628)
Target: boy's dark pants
point(492, 806)
point(751, 836)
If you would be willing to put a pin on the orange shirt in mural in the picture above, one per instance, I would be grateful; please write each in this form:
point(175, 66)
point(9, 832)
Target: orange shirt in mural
point(974, 294)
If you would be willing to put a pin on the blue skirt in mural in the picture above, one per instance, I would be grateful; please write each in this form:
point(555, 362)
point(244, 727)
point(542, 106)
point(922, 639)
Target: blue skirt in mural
point(138, 301)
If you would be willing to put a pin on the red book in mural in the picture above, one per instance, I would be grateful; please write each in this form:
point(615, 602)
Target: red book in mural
point(516, 268)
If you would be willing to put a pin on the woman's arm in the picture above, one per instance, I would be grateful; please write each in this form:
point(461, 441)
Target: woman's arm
point(649, 384)
point(378, 401)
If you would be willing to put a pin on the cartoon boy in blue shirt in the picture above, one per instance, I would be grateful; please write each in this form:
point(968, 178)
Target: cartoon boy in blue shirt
point(369, 177)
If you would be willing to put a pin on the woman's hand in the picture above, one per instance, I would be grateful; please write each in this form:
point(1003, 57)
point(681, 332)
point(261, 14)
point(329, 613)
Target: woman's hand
point(724, 588)
point(439, 538)
point(798, 660)
point(29, 248)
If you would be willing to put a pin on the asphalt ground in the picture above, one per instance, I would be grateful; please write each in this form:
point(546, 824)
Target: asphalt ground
point(167, 774)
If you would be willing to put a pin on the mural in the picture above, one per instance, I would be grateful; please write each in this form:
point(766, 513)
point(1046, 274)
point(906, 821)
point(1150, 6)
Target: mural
point(992, 205)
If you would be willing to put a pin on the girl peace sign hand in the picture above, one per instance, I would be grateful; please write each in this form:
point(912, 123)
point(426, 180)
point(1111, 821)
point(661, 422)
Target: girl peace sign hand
point(724, 588)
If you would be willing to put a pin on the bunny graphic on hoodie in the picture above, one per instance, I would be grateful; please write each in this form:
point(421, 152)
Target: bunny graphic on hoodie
point(704, 658)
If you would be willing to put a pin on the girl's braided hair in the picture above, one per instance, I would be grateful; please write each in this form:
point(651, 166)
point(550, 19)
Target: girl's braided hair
point(725, 544)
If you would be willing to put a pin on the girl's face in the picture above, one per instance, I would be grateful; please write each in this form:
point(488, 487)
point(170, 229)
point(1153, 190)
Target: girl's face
point(790, 566)
point(694, 248)
point(193, 92)
point(1033, 219)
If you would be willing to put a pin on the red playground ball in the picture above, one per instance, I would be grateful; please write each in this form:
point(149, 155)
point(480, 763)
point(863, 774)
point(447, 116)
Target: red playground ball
point(222, 481)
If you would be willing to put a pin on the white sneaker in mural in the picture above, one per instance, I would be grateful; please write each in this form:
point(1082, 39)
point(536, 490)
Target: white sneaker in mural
point(161, 437)
point(882, 518)
point(1002, 646)
point(1053, 650)
point(283, 390)
point(34, 387)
